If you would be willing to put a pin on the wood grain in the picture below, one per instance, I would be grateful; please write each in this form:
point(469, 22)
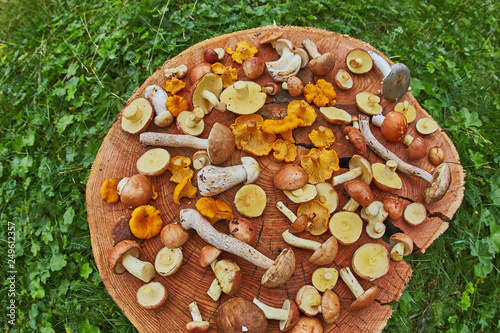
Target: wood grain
point(119, 152)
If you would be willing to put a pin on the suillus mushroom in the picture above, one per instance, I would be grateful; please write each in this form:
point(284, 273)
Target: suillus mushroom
point(249, 136)
point(288, 315)
point(228, 273)
point(364, 298)
point(396, 83)
point(219, 145)
point(426, 126)
point(319, 64)
point(324, 278)
point(436, 155)
point(250, 200)
point(317, 214)
point(278, 271)
point(360, 195)
point(270, 88)
point(299, 224)
point(394, 207)
point(415, 213)
point(213, 179)
point(385, 176)
point(168, 261)
point(393, 126)
point(402, 245)
point(323, 137)
point(284, 151)
point(308, 300)
point(346, 227)
point(191, 122)
point(407, 110)
point(307, 324)
point(209, 55)
point(244, 50)
point(371, 261)
point(439, 181)
point(304, 194)
point(242, 229)
point(198, 325)
point(135, 191)
point(358, 61)
point(153, 162)
point(109, 191)
point(375, 215)
point(359, 168)
point(290, 177)
point(145, 222)
point(123, 257)
point(243, 97)
point(290, 62)
point(327, 195)
point(152, 295)
point(356, 138)
point(214, 209)
point(207, 92)
point(238, 315)
point(173, 235)
point(320, 164)
point(330, 306)
point(417, 149)
point(137, 116)
point(324, 253)
point(335, 115)
point(158, 98)
point(368, 103)
point(208, 257)
point(321, 94)
point(343, 80)
point(178, 72)
point(254, 67)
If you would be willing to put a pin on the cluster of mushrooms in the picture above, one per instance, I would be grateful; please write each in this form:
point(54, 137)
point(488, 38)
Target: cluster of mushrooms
point(216, 88)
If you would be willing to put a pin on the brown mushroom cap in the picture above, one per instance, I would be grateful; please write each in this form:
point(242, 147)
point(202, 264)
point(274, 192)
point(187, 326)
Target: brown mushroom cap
point(300, 224)
point(208, 254)
point(293, 315)
point(307, 325)
point(359, 191)
point(198, 326)
point(220, 143)
point(394, 206)
point(290, 177)
point(237, 313)
point(417, 148)
point(173, 235)
point(152, 295)
point(330, 306)
point(121, 230)
point(135, 191)
point(243, 230)
point(323, 64)
point(281, 270)
point(396, 83)
point(326, 253)
point(118, 251)
point(404, 239)
point(365, 300)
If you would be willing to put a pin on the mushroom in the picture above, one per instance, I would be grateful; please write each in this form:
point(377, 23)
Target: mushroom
point(123, 257)
point(320, 64)
point(393, 127)
point(176, 104)
point(135, 191)
point(201, 159)
point(394, 207)
point(191, 122)
point(299, 224)
point(145, 222)
point(323, 137)
point(137, 116)
point(242, 229)
point(294, 86)
point(208, 257)
point(178, 72)
point(209, 55)
point(284, 151)
point(228, 74)
point(244, 50)
point(436, 155)
point(243, 97)
point(307, 325)
point(219, 145)
point(152, 296)
point(270, 88)
point(247, 130)
point(184, 189)
point(180, 167)
point(198, 325)
point(283, 126)
point(356, 138)
point(250, 200)
point(415, 213)
point(346, 227)
point(402, 245)
point(158, 98)
point(173, 86)
point(359, 168)
point(396, 83)
point(253, 67)
point(364, 298)
point(327, 196)
point(407, 110)
point(324, 278)
point(308, 300)
point(375, 215)
point(121, 230)
point(278, 271)
point(417, 149)
point(173, 236)
point(360, 194)
point(426, 126)
point(324, 253)
point(238, 315)
point(368, 103)
point(213, 179)
point(321, 93)
point(302, 110)
point(343, 80)
point(199, 70)
point(320, 164)
point(439, 181)
point(304, 194)
point(330, 306)
point(271, 36)
point(317, 214)
point(288, 315)
point(154, 162)
point(109, 191)
point(359, 61)
point(335, 115)
point(371, 261)
point(207, 92)
point(228, 273)
point(168, 261)
point(385, 176)
point(214, 209)
point(290, 177)
point(290, 62)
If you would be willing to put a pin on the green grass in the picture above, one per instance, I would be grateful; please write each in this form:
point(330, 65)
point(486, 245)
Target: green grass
point(66, 68)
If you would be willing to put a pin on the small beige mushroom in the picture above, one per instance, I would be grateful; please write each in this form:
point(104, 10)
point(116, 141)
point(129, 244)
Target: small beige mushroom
point(308, 300)
point(402, 245)
point(168, 261)
point(385, 176)
point(198, 325)
point(324, 253)
point(375, 215)
point(359, 61)
point(191, 122)
point(152, 296)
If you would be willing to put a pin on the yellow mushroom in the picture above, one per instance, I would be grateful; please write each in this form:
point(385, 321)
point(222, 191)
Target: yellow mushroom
point(174, 85)
point(184, 190)
point(319, 164)
point(228, 74)
point(284, 151)
point(109, 192)
point(321, 94)
point(214, 209)
point(176, 104)
point(302, 110)
point(145, 222)
point(322, 138)
point(244, 50)
point(180, 168)
point(249, 136)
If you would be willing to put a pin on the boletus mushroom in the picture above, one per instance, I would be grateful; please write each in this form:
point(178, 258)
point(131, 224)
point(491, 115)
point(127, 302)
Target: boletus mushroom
point(123, 257)
point(324, 253)
point(364, 298)
point(288, 315)
point(135, 191)
point(238, 315)
point(320, 64)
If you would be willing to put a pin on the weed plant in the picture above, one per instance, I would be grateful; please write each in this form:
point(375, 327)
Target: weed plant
point(67, 67)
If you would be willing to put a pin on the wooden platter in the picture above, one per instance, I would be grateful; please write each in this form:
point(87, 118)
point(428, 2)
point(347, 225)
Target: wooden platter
point(117, 159)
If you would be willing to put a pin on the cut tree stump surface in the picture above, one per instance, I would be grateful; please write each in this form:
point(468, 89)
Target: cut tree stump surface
point(117, 159)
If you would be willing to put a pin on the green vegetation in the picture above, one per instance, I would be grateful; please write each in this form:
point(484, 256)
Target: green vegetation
point(68, 66)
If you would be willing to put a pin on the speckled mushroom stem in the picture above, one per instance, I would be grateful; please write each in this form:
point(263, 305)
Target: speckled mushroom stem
point(172, 140)
point(192, 219)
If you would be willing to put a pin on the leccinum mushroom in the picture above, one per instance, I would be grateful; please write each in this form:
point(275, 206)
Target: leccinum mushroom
point(198, 325)
point(158, 98)
point(439, 181)
point(240, 315)
point(288, 315)
point(124, 257)
point(396, 79)
point(213, 180)
point(219, 145)
point(324, 253)
point(278, 271)
point(363, 298)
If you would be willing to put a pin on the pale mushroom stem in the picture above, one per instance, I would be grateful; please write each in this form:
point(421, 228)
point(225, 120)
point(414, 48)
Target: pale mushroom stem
point(195, 311)
point(311, 48)
point(172, 140)
point(397, 252)
point(351, 282)
point(241, 89)
point(195, 117)
point(271, 312)
point(407, 140)
point(351, 205)
point(372, 210)
point(142, 270)
point(286, 211)
point(132, 113)
point(346, 176)
point(300, 242)
point(390, 168)
point(210, 97)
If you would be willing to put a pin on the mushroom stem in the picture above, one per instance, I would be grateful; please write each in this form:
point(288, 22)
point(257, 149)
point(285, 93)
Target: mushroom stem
point(351, 205)
point(172, 140)
point(143, 270)
point(380, 63)
point(132, 113)
point(351, 282)
point(195, 117)
point(286, 211)
point(346, 176)
point(210, 97)
point(195, 311)
point(271, 312)
point(241, 89)
point(300, 242)
point(192, 219)
point(390, 168)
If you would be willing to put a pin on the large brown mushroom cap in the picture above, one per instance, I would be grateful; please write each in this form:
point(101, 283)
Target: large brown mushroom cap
point(330, 306)
point(118, 251)
point(135, 191)
point(220, 143)
point(307, 325)
point(290, 177)
point(281, 270)
point(359, 191)
point(238, 313)
point(365, 300)
point(326, 253)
